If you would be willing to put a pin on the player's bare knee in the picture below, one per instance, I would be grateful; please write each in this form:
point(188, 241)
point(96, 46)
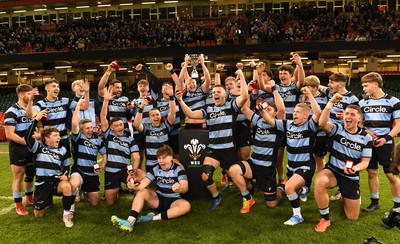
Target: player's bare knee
point(65, 188)
point(352, 216)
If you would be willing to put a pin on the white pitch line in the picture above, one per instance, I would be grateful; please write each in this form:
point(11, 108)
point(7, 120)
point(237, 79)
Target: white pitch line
point(7, 209)
point(6, 197)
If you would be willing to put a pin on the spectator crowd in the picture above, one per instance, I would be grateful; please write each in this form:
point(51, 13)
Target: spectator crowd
point(305, 23)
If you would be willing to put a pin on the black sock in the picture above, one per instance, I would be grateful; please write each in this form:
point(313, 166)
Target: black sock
point(324, 213)
point(217, 196)
point(252, 189)
point(164, 215)
point(375, 200)
point(247, 196)
point(67, 202)
point(134, 214)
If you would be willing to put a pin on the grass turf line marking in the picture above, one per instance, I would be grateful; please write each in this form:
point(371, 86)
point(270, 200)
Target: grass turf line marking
point(7, 209)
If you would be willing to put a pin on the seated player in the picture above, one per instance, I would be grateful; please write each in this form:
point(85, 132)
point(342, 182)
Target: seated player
point(171, 181)
point(52, 166)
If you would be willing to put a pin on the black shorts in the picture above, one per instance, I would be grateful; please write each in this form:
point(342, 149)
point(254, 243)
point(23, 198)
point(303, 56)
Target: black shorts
point(306, 174)
point(348, 188)
point(320, 147)
point(164, 203)
point(139, 139)
point(383, 155)
point(173, 141)
point(242, 135)
point(44, 193)
point(19, 155)
point(114, 180)
point(226, 157)
point(265, 177)
point(90, 183)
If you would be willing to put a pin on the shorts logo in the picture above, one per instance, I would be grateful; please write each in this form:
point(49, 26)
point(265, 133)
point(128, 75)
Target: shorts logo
point(194, 147)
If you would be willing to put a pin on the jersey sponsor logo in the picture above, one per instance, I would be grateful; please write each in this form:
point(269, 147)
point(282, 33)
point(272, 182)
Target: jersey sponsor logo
point(54, 155)
point(294, 135)
point(24, 119)
point(163, 108)
point(349, 144)
point(262, 131)
point(122, 143)
point(338, 105)
point(118, 104)
point(156, 133)
point(165, 180)
point(285, 94)
point(375, 109)
point(195, 94)
point(55, 109)
point(194, 148)
point(215, 115)
point(89, 144)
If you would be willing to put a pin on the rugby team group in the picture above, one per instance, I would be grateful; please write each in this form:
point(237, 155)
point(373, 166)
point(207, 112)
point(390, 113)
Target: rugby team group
point(294, 112)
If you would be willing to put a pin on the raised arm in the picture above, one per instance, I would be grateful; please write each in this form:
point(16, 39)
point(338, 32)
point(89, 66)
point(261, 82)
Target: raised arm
point(86, 89)
point(76, 117)
point(104, 109)
point(104, 79)
point(323, 121)
point(218, 71)
point(279, 103)
point(183, 75)
point(299, 74)
point(151, 77)
point(137, 122)
point(197, 114)
point(247, 112)
point(30, 111)
point(206, 84)
point(172, 105)
point(244, 93)
point(314, 105)
point(178, 84)
point(263, 85)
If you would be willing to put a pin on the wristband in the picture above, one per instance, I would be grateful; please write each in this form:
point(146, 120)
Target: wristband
point(140, 110)
point(171, 98)
point(388, 137)
point(108, 72)
point(329, 105)
point(273, 88)
point(172, 72)
point(218, 71)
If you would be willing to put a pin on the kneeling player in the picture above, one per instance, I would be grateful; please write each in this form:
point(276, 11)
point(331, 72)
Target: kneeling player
point(261, 165)
point(171, 181)
point(52, 165)
point(351, 152)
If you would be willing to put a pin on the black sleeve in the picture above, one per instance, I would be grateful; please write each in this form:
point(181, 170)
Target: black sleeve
point(28, 134)
point(153, 80)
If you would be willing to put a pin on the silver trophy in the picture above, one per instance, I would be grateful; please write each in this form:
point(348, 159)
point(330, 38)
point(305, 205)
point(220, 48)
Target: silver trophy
point(194, 61)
